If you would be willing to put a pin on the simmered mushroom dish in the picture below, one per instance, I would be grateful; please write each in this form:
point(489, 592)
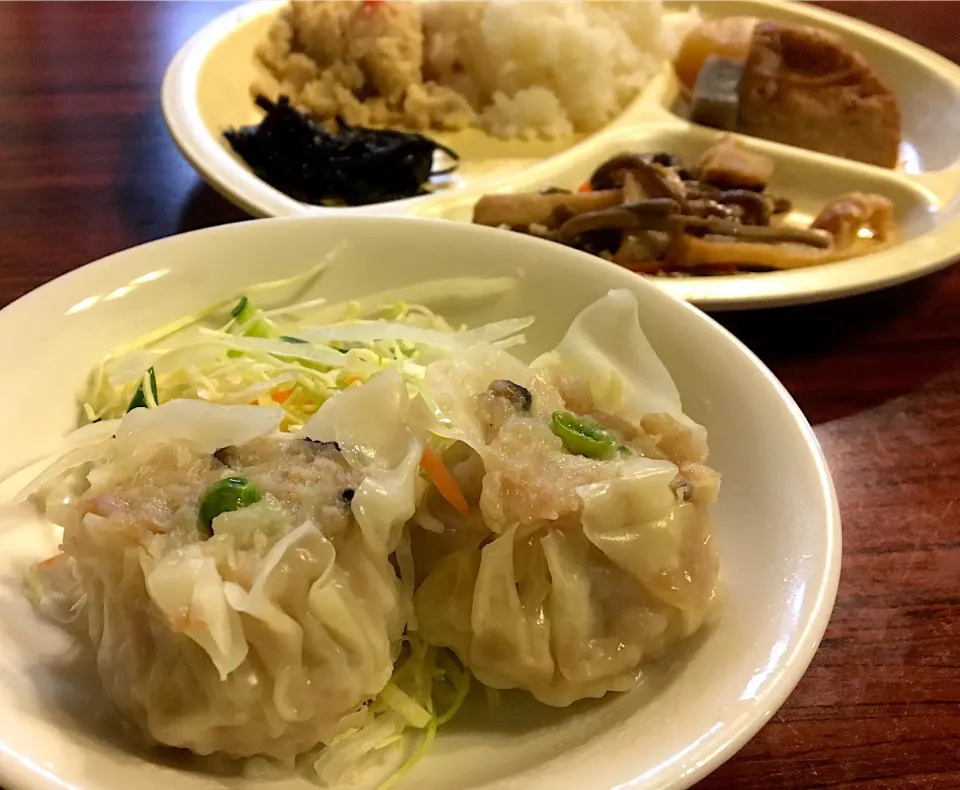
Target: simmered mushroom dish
point(651, 214)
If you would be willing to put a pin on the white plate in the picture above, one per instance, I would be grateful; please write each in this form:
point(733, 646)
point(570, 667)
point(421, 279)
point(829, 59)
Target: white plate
point(207, 90)
point(777, 521)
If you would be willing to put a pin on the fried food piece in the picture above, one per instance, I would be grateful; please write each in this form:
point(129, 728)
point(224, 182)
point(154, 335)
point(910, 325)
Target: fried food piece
point(806, 87)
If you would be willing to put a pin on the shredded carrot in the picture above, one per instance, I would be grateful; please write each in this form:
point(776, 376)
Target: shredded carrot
point(444, 481)
point(50, 562)
point(349, 381)
point(585, 187)
point(279, 396)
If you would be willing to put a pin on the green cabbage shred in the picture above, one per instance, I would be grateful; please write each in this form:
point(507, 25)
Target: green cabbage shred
point(425, 678)
point(236, 352)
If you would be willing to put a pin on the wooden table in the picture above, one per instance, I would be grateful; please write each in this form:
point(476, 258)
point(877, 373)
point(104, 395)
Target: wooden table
point(87, 168)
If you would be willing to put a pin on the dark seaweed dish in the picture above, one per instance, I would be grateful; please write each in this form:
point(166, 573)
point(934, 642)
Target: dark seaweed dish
point(348, 166)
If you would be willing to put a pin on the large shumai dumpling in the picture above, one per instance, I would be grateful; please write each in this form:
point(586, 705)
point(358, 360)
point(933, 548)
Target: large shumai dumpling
point(585, 546)
point(236, 581)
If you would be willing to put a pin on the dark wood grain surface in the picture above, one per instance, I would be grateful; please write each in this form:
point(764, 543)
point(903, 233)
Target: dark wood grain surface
point(87, 168)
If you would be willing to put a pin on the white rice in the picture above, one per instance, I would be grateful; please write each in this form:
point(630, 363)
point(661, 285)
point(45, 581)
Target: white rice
point(548, 69)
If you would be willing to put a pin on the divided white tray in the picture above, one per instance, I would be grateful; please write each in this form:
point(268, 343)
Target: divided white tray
point(207, 90)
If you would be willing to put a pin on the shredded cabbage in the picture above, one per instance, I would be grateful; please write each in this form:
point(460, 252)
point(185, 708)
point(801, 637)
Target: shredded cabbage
point(425, 679)
point(294, 356)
